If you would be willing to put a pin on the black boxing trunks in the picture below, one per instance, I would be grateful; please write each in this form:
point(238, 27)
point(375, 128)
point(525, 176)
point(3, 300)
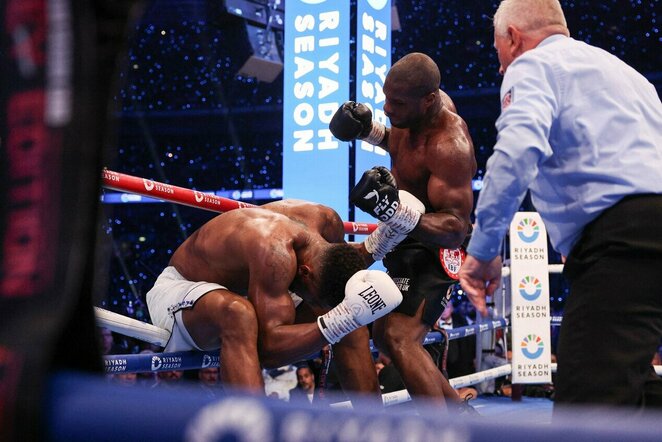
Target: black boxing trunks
point(417, 271)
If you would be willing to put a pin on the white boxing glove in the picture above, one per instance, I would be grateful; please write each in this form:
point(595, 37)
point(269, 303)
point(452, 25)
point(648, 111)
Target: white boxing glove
point(369, 295)
point(384, 239)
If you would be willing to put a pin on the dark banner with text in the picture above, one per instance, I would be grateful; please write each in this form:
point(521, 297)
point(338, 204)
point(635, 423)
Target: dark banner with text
point(54, 89)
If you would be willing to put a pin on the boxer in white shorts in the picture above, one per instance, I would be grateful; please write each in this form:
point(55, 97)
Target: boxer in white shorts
point(172, 293)
point(227, 287)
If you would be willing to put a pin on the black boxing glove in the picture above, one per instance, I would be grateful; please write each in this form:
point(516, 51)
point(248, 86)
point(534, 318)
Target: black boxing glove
point(376, 193)
point(354, 120)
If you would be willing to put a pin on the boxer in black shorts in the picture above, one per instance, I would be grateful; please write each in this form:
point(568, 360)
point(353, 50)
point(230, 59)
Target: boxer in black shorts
point(419, 275)
point(433, 163)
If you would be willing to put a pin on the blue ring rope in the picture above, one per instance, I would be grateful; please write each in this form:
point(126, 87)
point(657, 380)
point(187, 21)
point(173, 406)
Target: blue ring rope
point(191, 360)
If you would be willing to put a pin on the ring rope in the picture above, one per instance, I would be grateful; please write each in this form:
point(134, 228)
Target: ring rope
point(130, 327)
point(190, 360)
point(194, 198)
point(155, 335)
point(401, 396)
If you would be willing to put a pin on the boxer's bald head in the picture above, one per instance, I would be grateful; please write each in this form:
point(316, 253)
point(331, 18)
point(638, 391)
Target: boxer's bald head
point(411, 89)
point(418, 71)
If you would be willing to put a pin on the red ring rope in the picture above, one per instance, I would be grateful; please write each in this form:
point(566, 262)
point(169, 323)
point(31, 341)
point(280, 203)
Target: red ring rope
point(194, 198)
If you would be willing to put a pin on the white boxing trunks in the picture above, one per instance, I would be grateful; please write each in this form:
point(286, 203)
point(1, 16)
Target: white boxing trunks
point(172, 293)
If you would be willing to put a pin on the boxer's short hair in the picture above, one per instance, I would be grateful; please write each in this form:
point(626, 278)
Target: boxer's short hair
point(339, 263)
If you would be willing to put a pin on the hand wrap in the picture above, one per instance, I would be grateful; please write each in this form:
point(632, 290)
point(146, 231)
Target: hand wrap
point(384, 239)
point(377, 194)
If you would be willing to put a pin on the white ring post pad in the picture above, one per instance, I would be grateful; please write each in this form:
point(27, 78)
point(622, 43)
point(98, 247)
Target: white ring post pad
point(529, 282)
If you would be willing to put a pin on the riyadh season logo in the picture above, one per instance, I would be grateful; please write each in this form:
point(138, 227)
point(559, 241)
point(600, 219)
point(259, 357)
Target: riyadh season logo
point(530, 288)
point(149, 184)
point(532, 346)
point(528, 230)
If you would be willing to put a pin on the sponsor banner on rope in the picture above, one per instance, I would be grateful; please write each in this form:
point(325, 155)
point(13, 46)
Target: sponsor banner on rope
point(316, 83)
point(136, 363)
point(373, 60)
point(529, 281)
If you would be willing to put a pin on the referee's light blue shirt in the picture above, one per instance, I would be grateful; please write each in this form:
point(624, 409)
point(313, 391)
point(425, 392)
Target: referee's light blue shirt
point(578, 127)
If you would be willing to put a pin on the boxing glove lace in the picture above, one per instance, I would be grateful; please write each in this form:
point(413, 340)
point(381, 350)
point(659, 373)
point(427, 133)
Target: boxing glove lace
point(384, 239)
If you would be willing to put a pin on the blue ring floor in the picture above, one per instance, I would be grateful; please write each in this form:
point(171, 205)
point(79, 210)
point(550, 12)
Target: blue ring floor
point(530, 409)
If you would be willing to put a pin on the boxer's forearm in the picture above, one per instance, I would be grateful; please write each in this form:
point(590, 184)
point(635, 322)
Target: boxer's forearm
point(287, 344)
point(355, 366)
point(442, 229)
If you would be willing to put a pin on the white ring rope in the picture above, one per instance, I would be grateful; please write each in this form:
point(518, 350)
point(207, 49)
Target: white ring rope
point(159, 336)
point(131, 327)
point(401, 396)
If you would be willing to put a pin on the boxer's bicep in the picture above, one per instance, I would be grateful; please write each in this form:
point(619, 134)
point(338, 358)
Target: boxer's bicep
point(449, 186)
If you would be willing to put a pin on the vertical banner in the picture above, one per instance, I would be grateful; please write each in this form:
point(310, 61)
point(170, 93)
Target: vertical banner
point(316, 83)
point(529, 281)
point(373, 59)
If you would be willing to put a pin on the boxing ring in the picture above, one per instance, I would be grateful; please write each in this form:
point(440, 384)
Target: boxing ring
point(195, 360)
point(186, 414)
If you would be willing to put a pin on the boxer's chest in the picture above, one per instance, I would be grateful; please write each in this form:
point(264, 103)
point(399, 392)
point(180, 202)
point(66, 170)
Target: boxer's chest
point(410, 165)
